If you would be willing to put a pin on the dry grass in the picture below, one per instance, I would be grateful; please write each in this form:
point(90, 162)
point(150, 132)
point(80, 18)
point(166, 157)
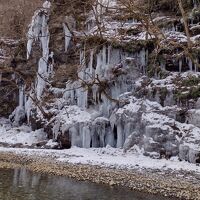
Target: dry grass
point(15, 16)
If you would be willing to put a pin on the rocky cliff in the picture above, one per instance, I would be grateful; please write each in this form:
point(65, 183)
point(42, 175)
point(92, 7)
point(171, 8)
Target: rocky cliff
point(118, 73)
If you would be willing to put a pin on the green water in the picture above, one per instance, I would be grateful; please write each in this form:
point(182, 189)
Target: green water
point(21, 184)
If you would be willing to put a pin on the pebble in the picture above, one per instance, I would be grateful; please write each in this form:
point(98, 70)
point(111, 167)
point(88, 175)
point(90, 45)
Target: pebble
point(144, 181)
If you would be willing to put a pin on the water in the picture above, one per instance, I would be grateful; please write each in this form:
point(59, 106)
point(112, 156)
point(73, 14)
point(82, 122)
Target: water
point(21, 184)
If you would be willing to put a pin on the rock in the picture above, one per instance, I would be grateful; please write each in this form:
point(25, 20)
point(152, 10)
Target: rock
point(130, 141)
point(197, 105)
point(111, 100)
point(49, 130)
point(17, 145)
point(34, 121)
point(189, 148)
point(64, 140)
point(194, 156)
point(189, 154)
point(18, 117)
point(151, 146)
point(41, 144)
point(193, 117)
point(111, 183)
point(4, 144)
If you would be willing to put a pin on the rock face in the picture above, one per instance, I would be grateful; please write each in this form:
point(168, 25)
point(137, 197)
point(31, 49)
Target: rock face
point(112, 94)
point(8, 100)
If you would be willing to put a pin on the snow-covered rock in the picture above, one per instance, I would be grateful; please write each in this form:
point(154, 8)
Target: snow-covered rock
point(21, 135)
point(113, 101)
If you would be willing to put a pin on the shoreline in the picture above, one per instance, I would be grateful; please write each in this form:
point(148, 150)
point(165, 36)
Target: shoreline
point(148, 181)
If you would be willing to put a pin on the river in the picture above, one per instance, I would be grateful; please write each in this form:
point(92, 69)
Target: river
point(22, 184)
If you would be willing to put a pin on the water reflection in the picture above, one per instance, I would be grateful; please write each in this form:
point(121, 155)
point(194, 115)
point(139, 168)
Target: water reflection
point(21, 184)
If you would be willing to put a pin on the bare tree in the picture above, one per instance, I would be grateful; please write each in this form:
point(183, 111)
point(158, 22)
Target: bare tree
point(139, 10)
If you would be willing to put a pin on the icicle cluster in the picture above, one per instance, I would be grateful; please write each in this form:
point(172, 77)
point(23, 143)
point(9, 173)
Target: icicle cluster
point(119, 70)
point(38, 34)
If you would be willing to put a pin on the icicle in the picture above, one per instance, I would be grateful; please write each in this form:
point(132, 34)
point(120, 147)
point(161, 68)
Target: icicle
point(86, 137)
point(109, 138)
point(94, 92)
point(120, 136)
point(38, 30)
point(100, 129)
point(109, 54)
point(162, 65)
point(180, 65)
point(82, 59)
point(21, 96)
point(94, 137)
point(29, 47)
point(102, 134)
point(41, 77)
point(104, 56)
point(115, 57)
point(142, 57)
point(146, 57)
point(98, 70)
point(56, 129)
point(98, 10)
point(45, 37)
point(75, 140)
point(68, 36)
point(128, 129)
point(194, 3)
point(82, 95)
point(91, 62)
point(106, 107)
point(195, 66)
point(50, 63)
point(28, 106)
point(190, 64)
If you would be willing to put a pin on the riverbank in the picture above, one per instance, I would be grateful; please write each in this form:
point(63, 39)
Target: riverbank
point(182, 183)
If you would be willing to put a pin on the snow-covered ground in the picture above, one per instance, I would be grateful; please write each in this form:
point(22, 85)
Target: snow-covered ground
point(19, 135)
point(108, 157)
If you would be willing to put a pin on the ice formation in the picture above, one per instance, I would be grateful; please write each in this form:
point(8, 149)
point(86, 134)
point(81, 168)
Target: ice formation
point(110, 116)
point(38, 33)
point(68, 36)
point(107, 104)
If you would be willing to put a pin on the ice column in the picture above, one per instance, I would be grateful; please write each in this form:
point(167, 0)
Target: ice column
point(86, 137)
point(68, 36)
point(21, 96)
point(39, 32)
point(190, 64)
point(180, 65)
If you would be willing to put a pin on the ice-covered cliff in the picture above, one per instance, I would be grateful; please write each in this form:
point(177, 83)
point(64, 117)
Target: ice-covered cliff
point(120, 87)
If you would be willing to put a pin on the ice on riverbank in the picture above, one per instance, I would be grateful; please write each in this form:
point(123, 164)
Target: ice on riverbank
point(22, 135)
point(108, 157)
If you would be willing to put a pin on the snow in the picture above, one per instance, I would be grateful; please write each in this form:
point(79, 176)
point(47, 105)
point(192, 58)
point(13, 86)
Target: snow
point(108, 157)
point(51, 144)
point(94, 126)
point(47, 4)
point(21, 135)
point(72, 114)
point(18, 115)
